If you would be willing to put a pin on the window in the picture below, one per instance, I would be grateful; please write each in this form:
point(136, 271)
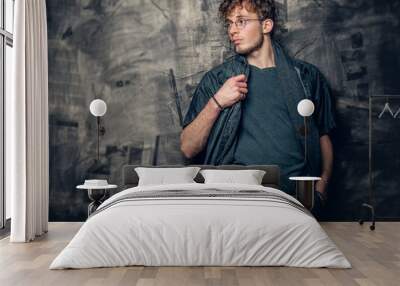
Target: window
point(6, 66)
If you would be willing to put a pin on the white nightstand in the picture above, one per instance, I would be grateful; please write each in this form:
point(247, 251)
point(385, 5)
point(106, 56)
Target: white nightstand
point(96, 194)
point(305, 187)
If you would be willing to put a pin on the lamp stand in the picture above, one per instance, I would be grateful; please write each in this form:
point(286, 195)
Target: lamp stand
point(98, 139)
point(305, 145)
point(100, 132)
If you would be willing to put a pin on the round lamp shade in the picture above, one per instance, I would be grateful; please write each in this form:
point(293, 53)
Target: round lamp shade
point(98, 107)
point(305, 107)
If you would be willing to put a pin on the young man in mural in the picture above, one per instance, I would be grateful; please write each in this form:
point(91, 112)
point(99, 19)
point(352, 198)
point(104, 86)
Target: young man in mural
point(244, 111)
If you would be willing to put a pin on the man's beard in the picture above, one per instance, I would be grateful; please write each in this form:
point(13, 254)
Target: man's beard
point(257, 45)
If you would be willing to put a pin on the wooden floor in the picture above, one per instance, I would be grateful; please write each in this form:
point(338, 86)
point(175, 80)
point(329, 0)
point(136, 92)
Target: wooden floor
point(375, 257)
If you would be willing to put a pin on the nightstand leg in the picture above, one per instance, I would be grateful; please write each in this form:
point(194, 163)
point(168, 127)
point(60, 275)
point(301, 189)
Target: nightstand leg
point(92, 207)
point(96, 196)
point(371, 208)
point(305, 193)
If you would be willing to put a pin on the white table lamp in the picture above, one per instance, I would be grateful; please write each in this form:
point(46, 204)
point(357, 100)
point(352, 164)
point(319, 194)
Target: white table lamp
point(305, 108)
point(98, 108)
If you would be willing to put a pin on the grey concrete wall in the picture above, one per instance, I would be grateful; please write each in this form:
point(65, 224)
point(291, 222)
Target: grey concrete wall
point(123, 50)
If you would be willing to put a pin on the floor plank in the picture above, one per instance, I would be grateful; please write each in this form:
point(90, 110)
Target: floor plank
point(375, 257)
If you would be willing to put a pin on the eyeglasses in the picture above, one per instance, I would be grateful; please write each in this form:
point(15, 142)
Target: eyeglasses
point(239, 23)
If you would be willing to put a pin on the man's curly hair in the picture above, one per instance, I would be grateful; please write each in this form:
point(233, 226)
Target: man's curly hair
point(265, 9)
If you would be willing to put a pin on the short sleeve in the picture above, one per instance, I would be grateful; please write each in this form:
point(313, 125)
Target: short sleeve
point(201, 96)
point(324, 113)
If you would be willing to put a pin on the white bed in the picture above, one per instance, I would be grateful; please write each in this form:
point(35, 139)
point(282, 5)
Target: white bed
point(184, 230)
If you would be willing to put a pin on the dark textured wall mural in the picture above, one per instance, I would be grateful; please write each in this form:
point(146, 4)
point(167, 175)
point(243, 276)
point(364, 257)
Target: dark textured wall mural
point(145, 58)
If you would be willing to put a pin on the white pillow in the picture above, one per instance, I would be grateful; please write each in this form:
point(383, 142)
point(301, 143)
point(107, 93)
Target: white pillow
point(248, 177)
point(162, 176)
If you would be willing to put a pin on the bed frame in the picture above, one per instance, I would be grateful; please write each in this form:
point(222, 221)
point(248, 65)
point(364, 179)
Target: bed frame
point(271, 178)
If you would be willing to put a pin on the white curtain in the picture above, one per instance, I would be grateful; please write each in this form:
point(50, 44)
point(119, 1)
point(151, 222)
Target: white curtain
point(27, 140)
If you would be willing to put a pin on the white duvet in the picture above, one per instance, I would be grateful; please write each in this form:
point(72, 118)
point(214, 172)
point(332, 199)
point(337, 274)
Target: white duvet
point(200, 231)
